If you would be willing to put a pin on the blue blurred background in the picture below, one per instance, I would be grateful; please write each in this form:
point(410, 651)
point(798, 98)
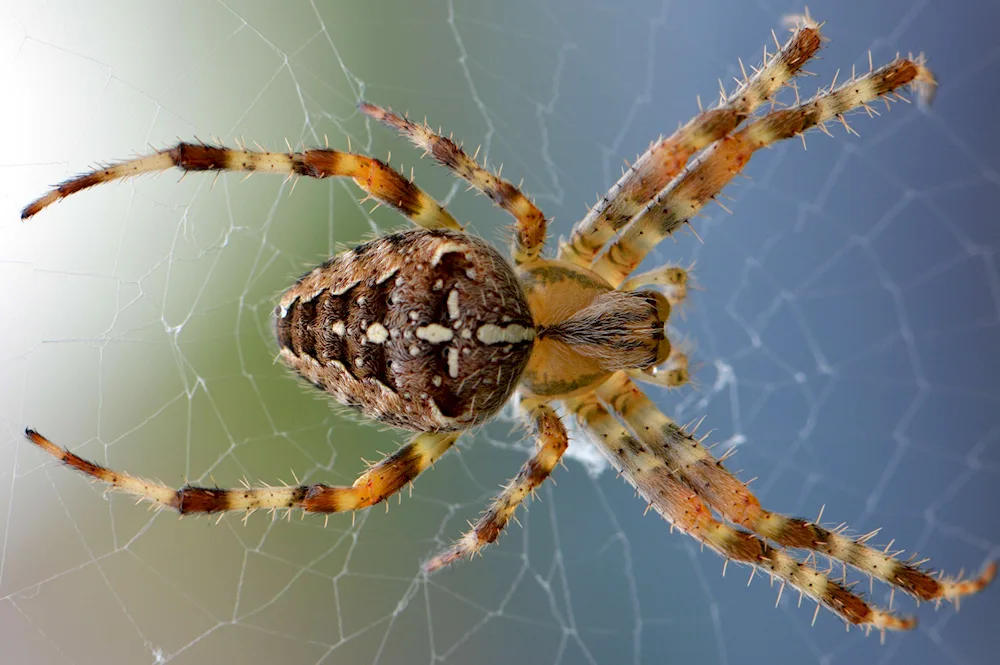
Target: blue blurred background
point(845, 335)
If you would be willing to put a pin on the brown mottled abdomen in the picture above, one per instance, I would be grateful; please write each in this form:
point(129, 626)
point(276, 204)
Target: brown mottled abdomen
point(424, 330)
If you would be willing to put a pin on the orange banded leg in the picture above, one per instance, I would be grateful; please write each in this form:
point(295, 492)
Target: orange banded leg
point(378, 483)
point(530, 234)
point(660, 485)
point(730, 498)
point(378, 179)
point(552, 443)
point(665, 158)
point(703, 180)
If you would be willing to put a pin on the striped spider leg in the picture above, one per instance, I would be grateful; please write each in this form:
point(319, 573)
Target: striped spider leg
point(705, 179)
point(377, 178)
point(648, 470)
point(529, 234)
point(382, 480)
point(665, 158)
point(693, 465)
point(552, 443)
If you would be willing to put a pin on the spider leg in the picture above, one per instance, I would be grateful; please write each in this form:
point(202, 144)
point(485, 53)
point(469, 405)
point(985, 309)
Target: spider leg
point(378, 179)
point(713, 483)
point(673, 278)
point(530, 234)
point(552, 443)
point(705, 178)
point(378, 483)
point(666, 158)
point(658, 483)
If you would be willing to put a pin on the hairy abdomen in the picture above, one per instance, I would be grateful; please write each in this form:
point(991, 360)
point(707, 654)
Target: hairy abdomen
point(425, 330)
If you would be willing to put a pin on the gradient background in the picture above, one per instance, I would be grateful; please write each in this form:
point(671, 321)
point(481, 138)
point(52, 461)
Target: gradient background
point(853, 299)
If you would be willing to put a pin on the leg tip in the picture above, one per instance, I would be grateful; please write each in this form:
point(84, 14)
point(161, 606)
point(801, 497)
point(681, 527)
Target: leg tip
point(372, 111)
point(884, 621)
point(955, 589)
point(44, 444)
point(987, 576)
point(442, 560)
point(460, 550)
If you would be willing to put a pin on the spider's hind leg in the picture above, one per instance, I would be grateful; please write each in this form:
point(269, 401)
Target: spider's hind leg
point(379, 180)
point(665, 158)
point(375, 485)
point(552, 443)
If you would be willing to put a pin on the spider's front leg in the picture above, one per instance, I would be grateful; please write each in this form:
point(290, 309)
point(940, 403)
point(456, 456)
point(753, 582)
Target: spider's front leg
point(375, 485)
point(704, 179)
point(662, 486)
point(666, 158)
point(552, 443)
point(720, 490)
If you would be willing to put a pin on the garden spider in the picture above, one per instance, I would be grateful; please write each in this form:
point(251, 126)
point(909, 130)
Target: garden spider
point(433, 331)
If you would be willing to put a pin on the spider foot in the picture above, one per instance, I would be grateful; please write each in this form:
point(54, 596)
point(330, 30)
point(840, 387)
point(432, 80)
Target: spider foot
point(464, 548)
point(954, 590)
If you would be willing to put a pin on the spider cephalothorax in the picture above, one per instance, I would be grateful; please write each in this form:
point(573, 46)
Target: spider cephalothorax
point(433, 330)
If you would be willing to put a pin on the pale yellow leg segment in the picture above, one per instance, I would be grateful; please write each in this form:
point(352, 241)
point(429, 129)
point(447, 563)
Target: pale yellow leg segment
point(552, 442)
point(378, 483)
point(683, 198)
point(651, 475)
point(665, 158)
point(530, 233)
point(725, 494)
point(673, 280)
point(673, 373)
point(378, 179)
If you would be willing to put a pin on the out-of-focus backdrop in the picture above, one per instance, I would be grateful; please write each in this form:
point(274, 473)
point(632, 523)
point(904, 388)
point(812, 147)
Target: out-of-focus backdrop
point(845, 337)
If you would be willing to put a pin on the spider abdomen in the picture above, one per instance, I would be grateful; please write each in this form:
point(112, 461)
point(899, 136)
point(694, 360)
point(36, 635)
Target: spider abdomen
point(424, 329)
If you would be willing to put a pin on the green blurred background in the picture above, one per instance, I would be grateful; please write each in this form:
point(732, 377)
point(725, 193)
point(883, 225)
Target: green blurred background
point(846, 335)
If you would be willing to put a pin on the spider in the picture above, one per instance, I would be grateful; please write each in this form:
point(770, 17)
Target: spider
point(432, 330)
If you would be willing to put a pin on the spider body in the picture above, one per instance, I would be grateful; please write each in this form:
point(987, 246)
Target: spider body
point(426, 330)
point(432, 330)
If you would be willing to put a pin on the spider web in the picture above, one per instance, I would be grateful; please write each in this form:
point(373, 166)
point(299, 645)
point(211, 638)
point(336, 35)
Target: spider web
point(846, 337)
